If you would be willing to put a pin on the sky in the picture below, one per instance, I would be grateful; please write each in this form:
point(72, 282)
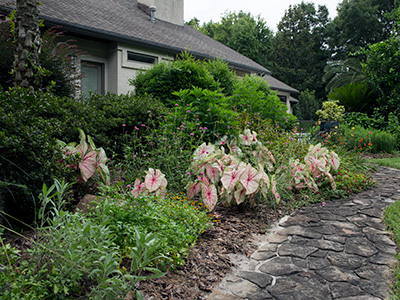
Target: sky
point(271, 11)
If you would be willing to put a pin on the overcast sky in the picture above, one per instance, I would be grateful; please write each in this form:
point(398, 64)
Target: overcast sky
point(271, 10)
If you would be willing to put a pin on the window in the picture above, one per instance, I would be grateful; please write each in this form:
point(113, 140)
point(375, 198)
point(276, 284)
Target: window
point(92, 77)
point(133, 56)
point(282, 98)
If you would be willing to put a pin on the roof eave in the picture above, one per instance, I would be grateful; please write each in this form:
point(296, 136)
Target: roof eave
point(114, 37)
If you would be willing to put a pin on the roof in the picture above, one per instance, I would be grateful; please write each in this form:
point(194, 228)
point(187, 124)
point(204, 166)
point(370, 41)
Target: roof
point(276, 84)
point(123, 21)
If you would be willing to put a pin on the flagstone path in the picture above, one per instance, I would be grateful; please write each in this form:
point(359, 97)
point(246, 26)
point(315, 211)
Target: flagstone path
point(335, 251)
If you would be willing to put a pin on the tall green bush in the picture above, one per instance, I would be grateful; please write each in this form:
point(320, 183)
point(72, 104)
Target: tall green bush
point(166, 77)
point(253, 95)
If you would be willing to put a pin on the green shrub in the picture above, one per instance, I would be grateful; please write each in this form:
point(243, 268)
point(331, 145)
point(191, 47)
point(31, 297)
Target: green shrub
point(356, 118)
point(176, 220)
point(253, 95)
point(211, 109)
point(166, 77)
point(222, 73)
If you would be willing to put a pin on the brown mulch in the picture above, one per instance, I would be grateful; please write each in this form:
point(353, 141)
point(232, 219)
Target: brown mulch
point(208, 261)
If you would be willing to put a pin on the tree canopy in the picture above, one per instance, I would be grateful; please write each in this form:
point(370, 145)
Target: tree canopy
point(243, 33)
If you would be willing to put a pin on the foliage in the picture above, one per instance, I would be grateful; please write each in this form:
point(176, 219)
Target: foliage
point(299, 55)
point(342, 72)
point(359, 139)
point(30, 125)
point(355, 96)
point(166, 77)
point(86, 157)
point(392, 221)
point(362, 119)
point(222, 73)
point(348, 182)
point(57, 57)
point(331, 111)
point(211, 109)
point(162, 142)
point(307, 106)
point(238, 176)
point(253, 95)
point(176, 220)
point(357, 24)
point(382, 72)
point(243, 33)
point(317, 165)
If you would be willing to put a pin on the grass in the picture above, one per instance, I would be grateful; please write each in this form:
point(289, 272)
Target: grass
point(393, 162)
point(392, 220)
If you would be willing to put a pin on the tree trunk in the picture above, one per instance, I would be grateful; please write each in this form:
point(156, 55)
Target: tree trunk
point(28, 44)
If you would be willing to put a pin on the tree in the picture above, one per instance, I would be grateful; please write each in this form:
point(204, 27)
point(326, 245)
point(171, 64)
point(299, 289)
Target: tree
point(28, 44)
point(359, 23)
point(243, 33)
point(382, 72)
point(307, 106)
point(300, 52)
point(342, 72)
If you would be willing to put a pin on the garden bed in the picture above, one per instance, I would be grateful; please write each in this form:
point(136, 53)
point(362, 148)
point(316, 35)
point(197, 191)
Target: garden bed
point(208, 260)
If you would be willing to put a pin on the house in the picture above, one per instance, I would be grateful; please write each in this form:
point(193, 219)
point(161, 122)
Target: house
point(121, 37)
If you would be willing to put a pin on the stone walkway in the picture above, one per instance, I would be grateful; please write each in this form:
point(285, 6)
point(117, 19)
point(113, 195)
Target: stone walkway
point(335, 251)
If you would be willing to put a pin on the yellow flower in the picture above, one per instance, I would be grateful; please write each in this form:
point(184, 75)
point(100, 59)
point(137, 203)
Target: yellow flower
point(352, 128)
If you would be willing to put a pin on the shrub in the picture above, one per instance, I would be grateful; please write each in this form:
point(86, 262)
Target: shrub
point(209, 108)
point(166, 77)
point(222, 73)
point(331, 111)
point(176, 220)
point(253, 95)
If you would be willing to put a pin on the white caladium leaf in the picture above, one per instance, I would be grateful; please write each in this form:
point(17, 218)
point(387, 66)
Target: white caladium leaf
point(153, 179)
point(250, 179)
point(240, 194)
point(209, 196)
point(230, 177)
point(194, 189)
point(203, 151)
point(88, 165)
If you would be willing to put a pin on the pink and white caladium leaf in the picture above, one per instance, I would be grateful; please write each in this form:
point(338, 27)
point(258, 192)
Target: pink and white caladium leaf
point(153, 179)
point(240, 194)
point(264, 177)
point(139, 188)
point(274, 190)
point(231, 176)
point(88, 165)
point(246, 138)
point(213, 172)
point(101, 160)
point(194, 189)
point(209, 195)
point(250, 179)
point(162, 190)
point(203, 150)
point(334, 160)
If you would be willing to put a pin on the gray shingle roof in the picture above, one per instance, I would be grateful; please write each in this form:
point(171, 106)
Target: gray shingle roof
point(276, 84)
point(123, 21)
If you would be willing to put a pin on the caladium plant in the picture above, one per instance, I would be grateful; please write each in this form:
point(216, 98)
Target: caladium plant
point(317, 165)
point(234, 177)
point(86, 157)
point(154, 183)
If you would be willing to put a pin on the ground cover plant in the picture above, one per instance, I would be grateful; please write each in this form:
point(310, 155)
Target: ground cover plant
point(392, 220)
